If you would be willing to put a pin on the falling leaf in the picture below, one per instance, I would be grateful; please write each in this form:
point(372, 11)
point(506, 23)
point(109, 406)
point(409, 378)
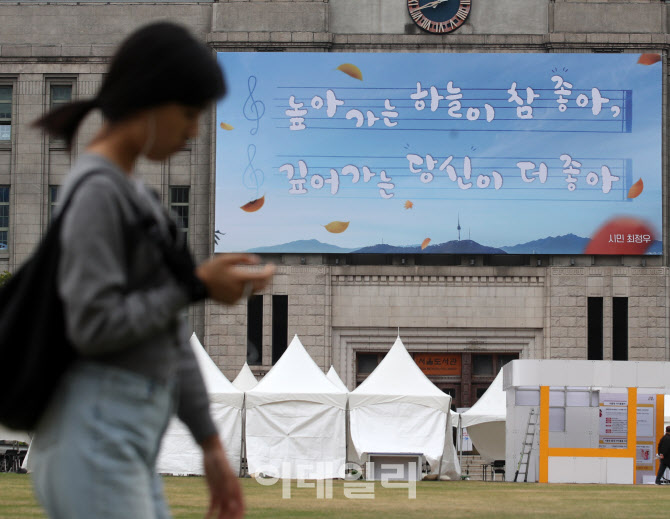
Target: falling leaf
point(606, 239)
point(337, 227)
point(351, 70)
point(425, 243)
point(636, 189)
point(649, 59)
point(226, 126)
point(408, 205)
point(254, 205)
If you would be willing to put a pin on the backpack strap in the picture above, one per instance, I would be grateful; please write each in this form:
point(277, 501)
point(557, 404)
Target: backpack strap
point(175, 252)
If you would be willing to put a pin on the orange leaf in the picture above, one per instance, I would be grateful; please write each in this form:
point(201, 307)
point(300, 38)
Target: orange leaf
point(336, 227)
point(226, 126)
point(351, 70)
point(425, 243)
point(254, 205)
point(636, 189)
point(649, 59)
point(408, 205)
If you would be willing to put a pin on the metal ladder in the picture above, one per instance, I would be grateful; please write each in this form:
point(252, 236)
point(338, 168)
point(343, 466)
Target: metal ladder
point(527, 447)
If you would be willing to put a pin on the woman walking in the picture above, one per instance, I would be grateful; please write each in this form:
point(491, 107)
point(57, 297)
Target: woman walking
point(125, 284)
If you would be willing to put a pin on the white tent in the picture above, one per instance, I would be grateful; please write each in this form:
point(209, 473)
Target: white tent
point(10, 435)
point(398, 410)
point(295, 420)
point(245, 379)
point(335, 379)
point(666, 410)
point(179, 453)
point(485, 421)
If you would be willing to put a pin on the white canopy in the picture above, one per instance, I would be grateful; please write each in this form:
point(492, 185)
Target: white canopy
point(295, 420)
point(398, 377)
point(10, 435)
point(335, 379)
point(245, 379)
point(398, 410)
point(491, 406)
point(179, 453)
point(485, 421)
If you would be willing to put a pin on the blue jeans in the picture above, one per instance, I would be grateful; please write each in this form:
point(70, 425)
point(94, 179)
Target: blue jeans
point(94, 451)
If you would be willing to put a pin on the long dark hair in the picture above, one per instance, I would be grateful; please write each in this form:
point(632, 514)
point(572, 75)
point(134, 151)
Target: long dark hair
point(157, 64)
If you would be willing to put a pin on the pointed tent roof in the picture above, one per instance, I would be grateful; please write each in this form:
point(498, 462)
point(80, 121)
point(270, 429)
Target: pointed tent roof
point(245, 379)
point(491, 406)
point(218, 386)
point(295, 377)
point(397, 378)
point(335, 379)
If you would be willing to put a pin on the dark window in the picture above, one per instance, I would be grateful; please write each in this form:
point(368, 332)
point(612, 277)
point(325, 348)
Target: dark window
point(489, 364)
point(255, 330)
point(480, 392)
point(620, 328)
point(482, 364)
point(53, 200)
point(179, 207)
point(5, 113)
point(367, 362)
point(4, 217)
point(595, 328)
point(279, 326)
point(59, 95)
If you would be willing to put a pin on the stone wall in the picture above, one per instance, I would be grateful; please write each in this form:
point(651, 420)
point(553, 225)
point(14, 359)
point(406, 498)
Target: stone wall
point(536, 311)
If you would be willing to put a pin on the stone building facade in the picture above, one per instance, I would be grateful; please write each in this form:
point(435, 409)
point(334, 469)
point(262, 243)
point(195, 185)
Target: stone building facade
point(479, 310)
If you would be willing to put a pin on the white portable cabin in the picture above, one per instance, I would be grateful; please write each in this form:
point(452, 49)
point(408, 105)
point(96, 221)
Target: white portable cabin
point(180, 454)
point(485, 421)
point(295, 420)
point(570, 442)
point(398, 410)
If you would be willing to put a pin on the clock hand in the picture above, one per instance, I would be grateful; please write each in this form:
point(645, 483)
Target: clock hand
point(433, 4)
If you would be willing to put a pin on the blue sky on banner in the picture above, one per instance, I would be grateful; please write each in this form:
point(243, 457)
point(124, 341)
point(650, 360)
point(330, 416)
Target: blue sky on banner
point(519, 147)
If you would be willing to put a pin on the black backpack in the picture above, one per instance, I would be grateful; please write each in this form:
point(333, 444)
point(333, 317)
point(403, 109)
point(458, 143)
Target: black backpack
point(33, 338)
point(33, 341)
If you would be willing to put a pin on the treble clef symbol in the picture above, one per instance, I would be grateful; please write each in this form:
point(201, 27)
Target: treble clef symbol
point(252, 178)
point(253, 110)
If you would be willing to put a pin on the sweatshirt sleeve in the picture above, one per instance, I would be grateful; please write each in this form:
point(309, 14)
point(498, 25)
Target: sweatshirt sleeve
point(193, 403)
point(101, 315)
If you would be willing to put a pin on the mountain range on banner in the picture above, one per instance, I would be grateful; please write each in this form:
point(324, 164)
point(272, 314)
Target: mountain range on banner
point(566, 244)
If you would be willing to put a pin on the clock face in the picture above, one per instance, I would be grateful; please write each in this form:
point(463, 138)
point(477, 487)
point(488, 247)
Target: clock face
point(439, 16)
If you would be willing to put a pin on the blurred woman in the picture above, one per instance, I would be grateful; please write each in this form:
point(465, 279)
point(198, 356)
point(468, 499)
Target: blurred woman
point(125, 285)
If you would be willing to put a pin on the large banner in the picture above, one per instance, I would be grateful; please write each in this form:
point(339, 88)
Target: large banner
point(440, 153)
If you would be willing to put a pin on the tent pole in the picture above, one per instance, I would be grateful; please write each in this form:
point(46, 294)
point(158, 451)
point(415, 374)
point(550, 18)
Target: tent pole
point(243, 446)
point(460, 443)
point(346, 437)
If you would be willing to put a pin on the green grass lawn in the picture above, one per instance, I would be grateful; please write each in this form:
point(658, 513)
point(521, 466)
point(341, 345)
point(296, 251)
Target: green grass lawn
point(452, 499)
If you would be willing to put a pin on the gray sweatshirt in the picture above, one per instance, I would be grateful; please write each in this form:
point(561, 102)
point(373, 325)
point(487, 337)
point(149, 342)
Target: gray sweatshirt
point(122, 306)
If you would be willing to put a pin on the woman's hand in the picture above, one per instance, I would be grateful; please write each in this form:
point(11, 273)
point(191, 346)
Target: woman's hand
point(227, 281)
point(226, 500)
